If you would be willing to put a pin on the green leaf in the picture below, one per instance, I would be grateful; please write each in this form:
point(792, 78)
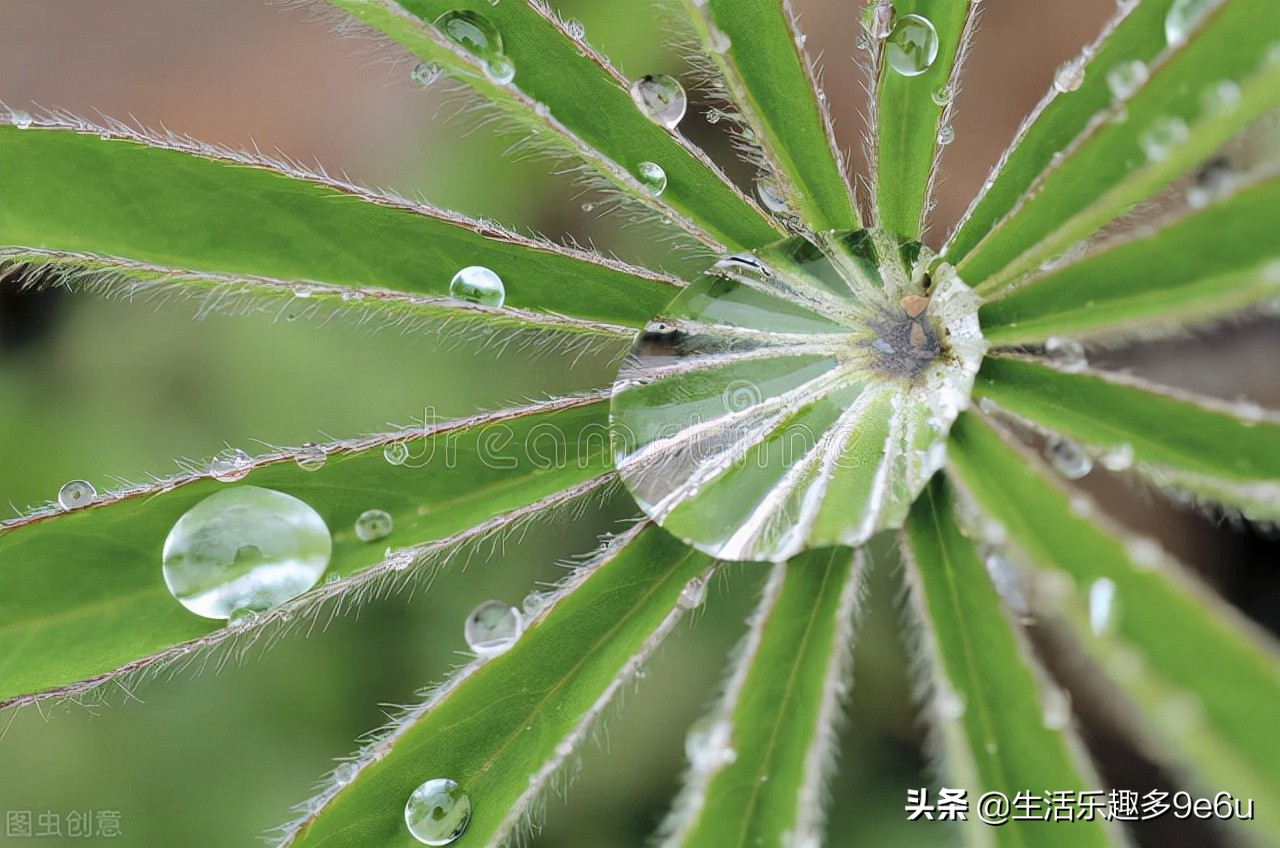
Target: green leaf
point(83, 601)
point(502, 728)
point(908, 116)
point(177, 204)
point(1207, 89)
point(1001, 725)
point(582, 103)
point(1166, 277)
point(770, 84)
point(1195, 444)
point(763, 755)
point(1190, 642)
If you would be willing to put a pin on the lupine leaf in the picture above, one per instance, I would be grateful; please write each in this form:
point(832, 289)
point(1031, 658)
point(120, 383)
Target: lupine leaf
point(502, 727)
point(761, 763)
point(83, 600)
point(176, 204)
point(569, 90)
point(1167, 276)
point(996, 725)
point(911, 112)
point(1201, 446)
point(1190, 642)
point(769, 81)
point(1198, 94)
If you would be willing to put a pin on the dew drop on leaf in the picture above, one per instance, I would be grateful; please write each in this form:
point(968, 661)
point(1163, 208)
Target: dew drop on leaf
point(425, 73)
point(310, 457)
point(396, 453)
point(374, 524)
point(477, 284)
point(1184, 16)
point(1055, 707)
point(661, 98)
point(245, 549)
point(1103, 606)
point(76, 493)
point(694, 594)
point(1220, 96)
point(708, 744)
point(949, 703)
point(946, 135)
point(230, 465)
point(1126, 78)
point(533, 603)
point(943, 95)
point(912, 45)
point(437, 812)
point(477, 35)
point(1067, 457)
point(652, 177)
point(770, 196)
point(21, 120)
point(1069, 76)
point(492, 627)
point(718, 41)
point(1065, 354)
point(1162, 136)
point(1117, 458)
point(575, 29)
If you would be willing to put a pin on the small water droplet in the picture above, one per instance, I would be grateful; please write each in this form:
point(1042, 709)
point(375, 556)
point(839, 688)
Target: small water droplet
point(1184, 16)
point(477, 284)
point(437, 812)
point(714, 115)
point(1103, 607)
point(912, 45)
point(76, 493)
point(943, 95)
point(1220, 96)
point(231, 465)
point(1005, 578)
point(534, 603)
point(575, 29)
point(310, 457)
point(946, 135)
point(396, 453)
point(718, 41)
point(242, 619)
point(502, 70)
point(246, 549)
point(1162, 136)
point(1069, 76)
point(949, 703)
point(661, 98)
point(425, 73)
point(1065, 354)
point(1126, 78)
point(771, 197)
point(492, 628)
point(345, 773)
point(1055, 707)
point(694, 594)
point(652, 177)
point(21, 120)
point(1145, 553)
point(478, 36)
point(1117, 458)
point(708, 744)
point(1067, 457)
point(374, 524)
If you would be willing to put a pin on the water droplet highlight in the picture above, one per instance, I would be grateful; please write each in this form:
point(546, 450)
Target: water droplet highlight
point(1162, 137)
point(1126, 78)
point(76, 493)
point(660, 98)
point(912, 45)
point(437, 812)
point(1184, 16)
point(1103, 607)
point(231, 465)
point(1067, 457)
point(396, 453)
point(245, 549)
point(477, 284)
point(652, 177)
point(374, 524)
point(477, 35)
point(310, 457)
point(492, 628)
point(1065, 354)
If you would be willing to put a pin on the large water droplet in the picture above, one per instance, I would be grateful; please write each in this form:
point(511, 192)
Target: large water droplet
point(1065, 354)
point(246, 549)
point(1184, 16)
point(477, 284)
point(437, 812)
point(374, 524)
point(310, 457)
point(1162, 137)
point(231, 465)
point(76, 493)
point(652, 177)
point(661, 98)
point(1067, 457)
point(477, 35)
point(912, 45)
point(1103, 607)
point(1069, 76)
point(492, 628)
point(1125, 78)
point(797, 397)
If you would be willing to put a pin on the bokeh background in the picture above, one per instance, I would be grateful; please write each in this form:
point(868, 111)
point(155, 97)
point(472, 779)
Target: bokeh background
point(109, 389)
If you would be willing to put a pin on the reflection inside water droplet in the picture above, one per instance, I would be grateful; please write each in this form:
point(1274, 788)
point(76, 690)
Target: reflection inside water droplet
point(492, 628)
point(912, 45)
point(437, 812)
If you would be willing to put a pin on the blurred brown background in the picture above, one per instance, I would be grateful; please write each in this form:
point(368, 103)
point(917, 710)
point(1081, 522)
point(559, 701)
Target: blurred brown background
point(96, 389)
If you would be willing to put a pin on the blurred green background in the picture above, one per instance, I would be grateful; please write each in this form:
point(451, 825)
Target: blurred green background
point(110, 389)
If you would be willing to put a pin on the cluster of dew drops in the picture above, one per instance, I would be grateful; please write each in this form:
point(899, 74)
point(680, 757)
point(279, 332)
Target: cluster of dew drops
point(246, 550)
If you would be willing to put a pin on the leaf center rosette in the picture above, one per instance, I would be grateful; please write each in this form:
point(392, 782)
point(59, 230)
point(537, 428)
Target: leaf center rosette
point(799, 396)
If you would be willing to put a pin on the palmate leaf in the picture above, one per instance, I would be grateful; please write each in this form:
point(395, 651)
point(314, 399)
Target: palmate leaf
point(1203, 447)
point(912, 114)
point(1199, 93)
point(83, 601)
point(1165, 277)
point(761, 760)
point(572, 92)
point(772, 89)
point(172, 203)
point(1195, 654)
point(1003, 729)
point(501, 728)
